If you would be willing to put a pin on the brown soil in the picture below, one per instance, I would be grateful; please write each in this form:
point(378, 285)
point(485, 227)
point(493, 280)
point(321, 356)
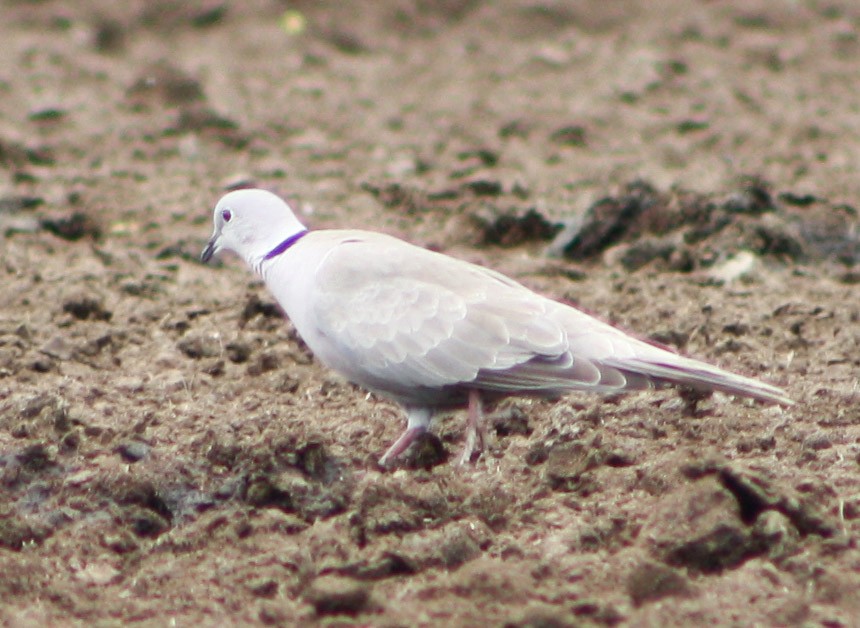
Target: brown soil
point(170, 454)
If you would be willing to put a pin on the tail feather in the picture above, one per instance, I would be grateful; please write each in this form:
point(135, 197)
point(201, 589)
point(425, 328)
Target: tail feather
point(703, 376)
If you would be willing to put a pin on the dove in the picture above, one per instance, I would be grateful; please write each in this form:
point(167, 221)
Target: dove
point(432, 332)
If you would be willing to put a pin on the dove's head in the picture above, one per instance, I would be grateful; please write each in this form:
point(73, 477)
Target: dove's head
point(251, 223)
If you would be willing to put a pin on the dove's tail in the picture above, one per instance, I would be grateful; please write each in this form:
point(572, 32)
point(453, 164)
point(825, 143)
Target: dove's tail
point(682, 371)
point(601, 358)
point(646, 364)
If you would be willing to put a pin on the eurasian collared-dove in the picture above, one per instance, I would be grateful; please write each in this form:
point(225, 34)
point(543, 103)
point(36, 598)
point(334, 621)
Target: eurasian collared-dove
point(432, 332)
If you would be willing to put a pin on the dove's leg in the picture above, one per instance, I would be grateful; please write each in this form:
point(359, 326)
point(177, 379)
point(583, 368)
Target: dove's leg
point(474, 428)
point(418, 420)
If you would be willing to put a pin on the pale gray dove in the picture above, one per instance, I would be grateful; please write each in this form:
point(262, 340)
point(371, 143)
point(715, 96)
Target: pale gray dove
point(433, 332)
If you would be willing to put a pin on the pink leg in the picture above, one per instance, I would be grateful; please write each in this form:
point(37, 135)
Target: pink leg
point(417, 423)
point(474, 429)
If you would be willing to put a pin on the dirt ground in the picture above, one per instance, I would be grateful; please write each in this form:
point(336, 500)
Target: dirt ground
point(171, 454)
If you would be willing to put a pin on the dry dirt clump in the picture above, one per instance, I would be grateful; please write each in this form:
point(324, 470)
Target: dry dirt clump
point(170, 451)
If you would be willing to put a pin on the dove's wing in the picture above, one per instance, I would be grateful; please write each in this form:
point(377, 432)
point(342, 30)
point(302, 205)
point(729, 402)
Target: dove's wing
point(411, 318)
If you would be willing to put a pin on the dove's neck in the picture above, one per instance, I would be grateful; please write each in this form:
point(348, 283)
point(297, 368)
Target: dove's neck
point(283, 246)
point(258, 260)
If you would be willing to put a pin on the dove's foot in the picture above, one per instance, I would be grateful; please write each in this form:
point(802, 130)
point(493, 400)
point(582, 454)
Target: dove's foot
point(401, 444)
point(475, 434)
point(418, 420)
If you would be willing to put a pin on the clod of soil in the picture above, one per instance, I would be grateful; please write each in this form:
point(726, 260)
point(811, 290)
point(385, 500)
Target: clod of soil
point(73, 227)
point(85, 306)
point(334, 595)
point(513, 229)
point(650, 582)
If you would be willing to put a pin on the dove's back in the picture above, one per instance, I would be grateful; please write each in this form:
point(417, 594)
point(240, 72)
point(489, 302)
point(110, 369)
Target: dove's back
point(423, 328)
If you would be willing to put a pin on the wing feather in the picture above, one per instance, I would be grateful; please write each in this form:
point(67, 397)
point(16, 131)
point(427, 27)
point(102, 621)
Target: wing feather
point(411, 317)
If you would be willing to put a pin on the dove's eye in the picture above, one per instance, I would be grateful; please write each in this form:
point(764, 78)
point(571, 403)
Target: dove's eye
point(226, 215)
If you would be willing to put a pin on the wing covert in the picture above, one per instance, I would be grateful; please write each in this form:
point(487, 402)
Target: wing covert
point(415, 318)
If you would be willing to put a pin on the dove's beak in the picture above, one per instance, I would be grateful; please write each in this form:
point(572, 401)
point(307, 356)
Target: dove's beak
point(210, 250)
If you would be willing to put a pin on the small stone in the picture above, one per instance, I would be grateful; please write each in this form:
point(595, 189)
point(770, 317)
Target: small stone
point(742, 264)
point(386, 566)
point(97, 573)
point(80, 478)
point(336, 595)
point(132, 451)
